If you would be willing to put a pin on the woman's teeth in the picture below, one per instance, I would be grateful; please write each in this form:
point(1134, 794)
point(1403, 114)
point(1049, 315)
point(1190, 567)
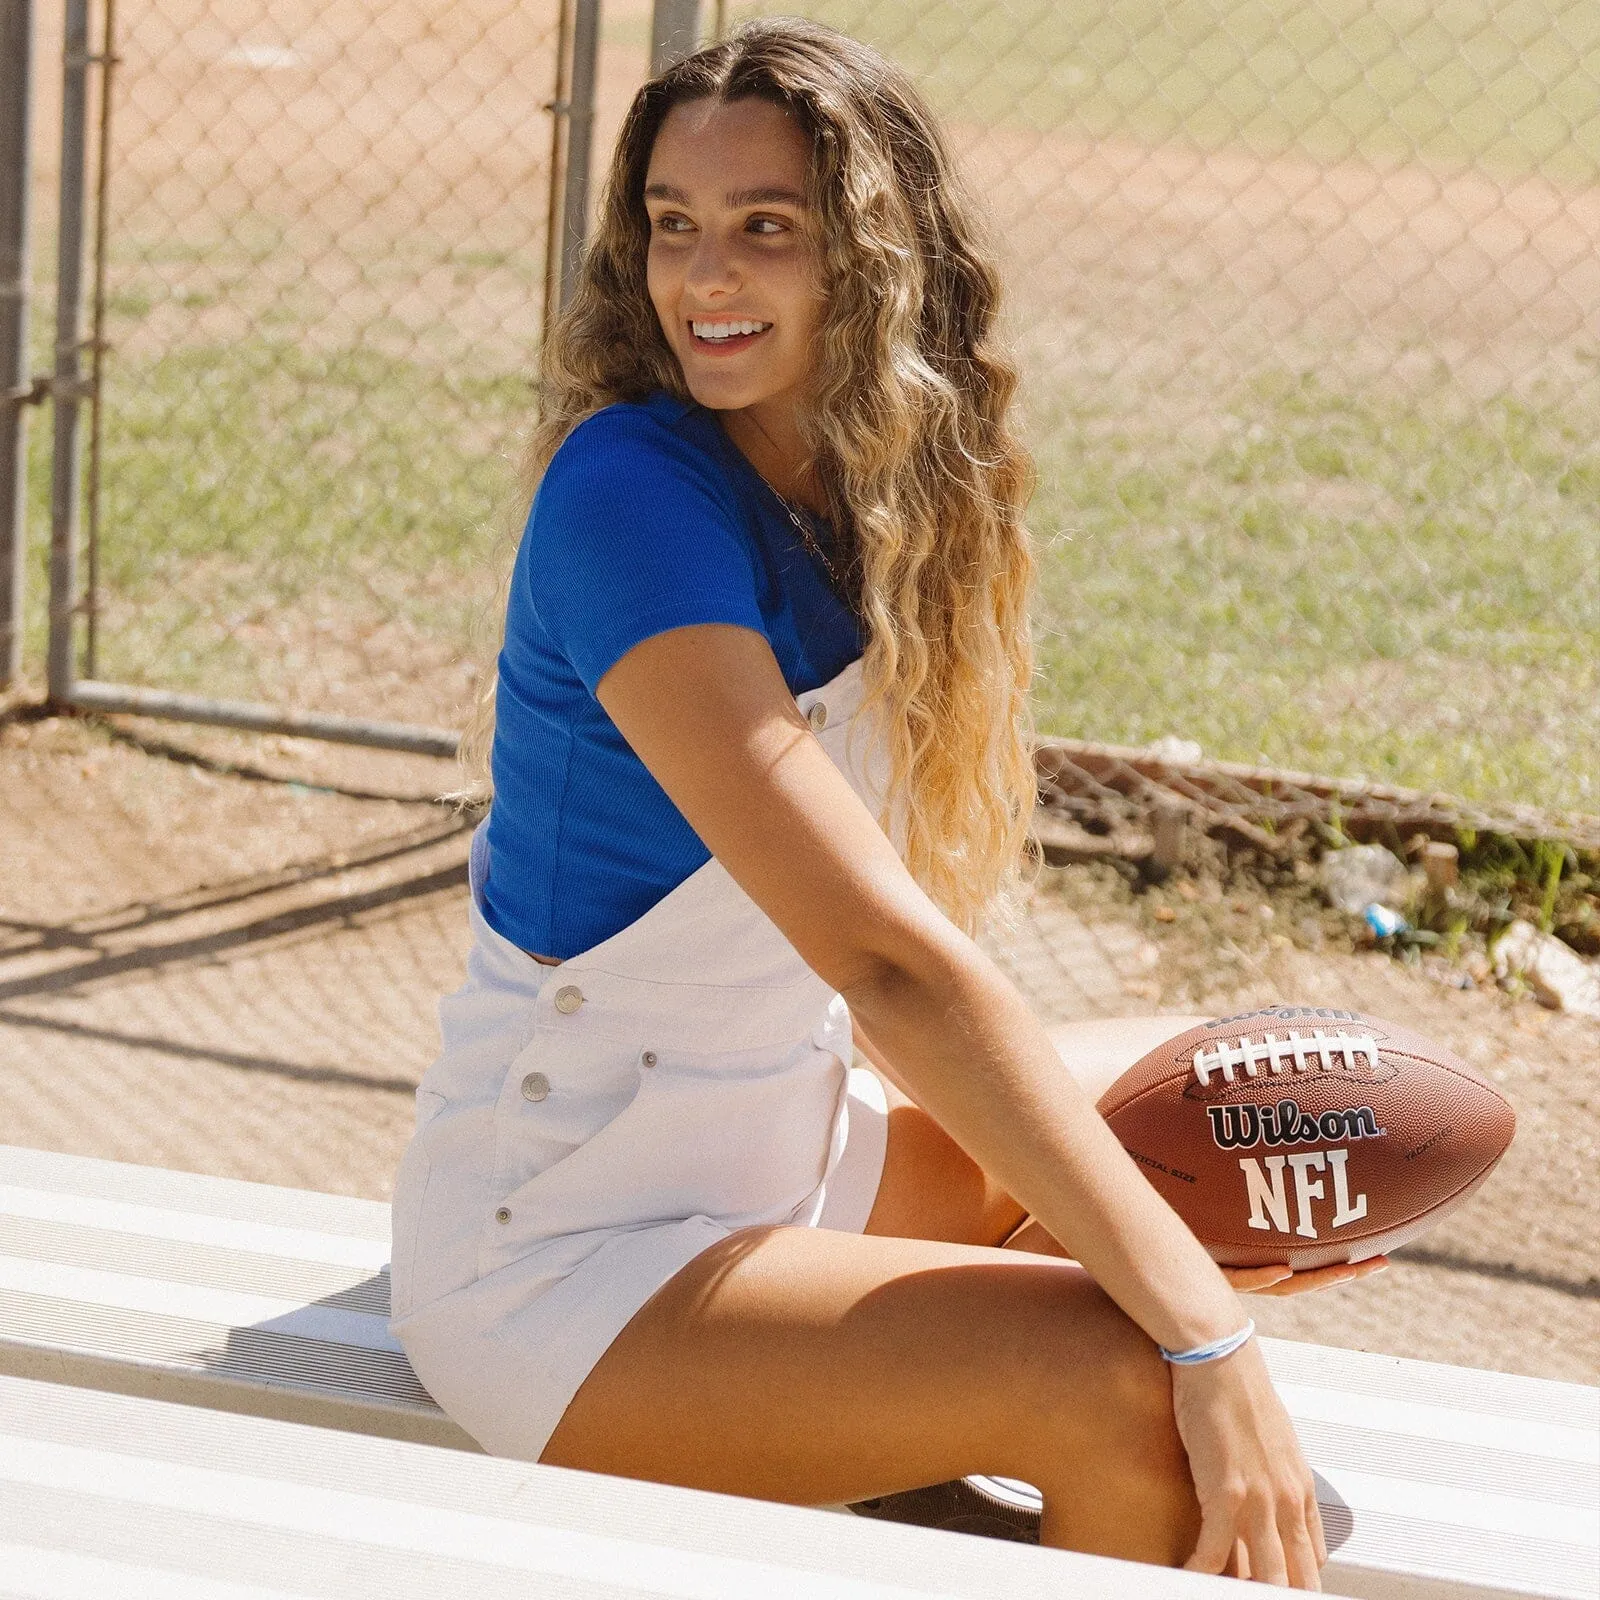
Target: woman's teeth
point(726, 330)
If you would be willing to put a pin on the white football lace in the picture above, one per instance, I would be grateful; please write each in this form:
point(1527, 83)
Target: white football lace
point(1281, 1055)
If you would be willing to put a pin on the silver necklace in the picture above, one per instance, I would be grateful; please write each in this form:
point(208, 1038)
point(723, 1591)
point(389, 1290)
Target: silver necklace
point(808, 536)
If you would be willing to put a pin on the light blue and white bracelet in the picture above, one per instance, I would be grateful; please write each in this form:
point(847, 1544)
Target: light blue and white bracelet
point(1215, 1351)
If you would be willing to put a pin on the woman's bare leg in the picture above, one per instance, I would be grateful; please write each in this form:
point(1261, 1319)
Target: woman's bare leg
point(932, 1189)
point(1099, 1051)
point(816, 1367)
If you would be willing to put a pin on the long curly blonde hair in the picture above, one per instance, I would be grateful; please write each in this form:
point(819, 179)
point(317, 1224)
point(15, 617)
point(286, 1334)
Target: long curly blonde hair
point(906, 427)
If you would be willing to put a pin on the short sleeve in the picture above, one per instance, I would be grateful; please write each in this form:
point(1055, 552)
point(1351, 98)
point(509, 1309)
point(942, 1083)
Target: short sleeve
point(633, 532)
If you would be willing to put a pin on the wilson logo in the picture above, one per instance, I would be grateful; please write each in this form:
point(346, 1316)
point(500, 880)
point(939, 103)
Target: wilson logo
point(1239, 1127)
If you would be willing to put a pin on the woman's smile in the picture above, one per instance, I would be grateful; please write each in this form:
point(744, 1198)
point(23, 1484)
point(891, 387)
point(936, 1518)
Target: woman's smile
point(724, 336)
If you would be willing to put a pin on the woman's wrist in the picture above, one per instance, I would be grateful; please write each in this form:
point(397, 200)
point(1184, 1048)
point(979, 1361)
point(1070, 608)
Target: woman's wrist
point(1201, 1306)
point(1212, 1350)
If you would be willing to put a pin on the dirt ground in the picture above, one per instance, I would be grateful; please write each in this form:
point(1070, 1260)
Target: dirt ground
point(223, 954)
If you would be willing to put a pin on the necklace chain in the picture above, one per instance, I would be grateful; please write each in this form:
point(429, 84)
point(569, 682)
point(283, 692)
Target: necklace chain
point(807, 536)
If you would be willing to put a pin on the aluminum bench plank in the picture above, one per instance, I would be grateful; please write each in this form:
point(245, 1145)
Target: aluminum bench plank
point(1435, 1481)
point(236, 1296)
point(108, 1494)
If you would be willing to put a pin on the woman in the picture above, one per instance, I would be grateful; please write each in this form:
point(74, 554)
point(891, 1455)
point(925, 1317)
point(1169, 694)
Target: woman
point(760, 764)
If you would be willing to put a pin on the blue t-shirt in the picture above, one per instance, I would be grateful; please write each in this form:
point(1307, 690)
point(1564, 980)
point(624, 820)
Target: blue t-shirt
point(647, 518)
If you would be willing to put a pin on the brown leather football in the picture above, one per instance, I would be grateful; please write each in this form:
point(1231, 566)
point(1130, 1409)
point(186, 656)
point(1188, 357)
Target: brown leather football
point(1308, 1135)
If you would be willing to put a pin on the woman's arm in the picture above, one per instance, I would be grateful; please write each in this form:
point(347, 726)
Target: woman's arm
point(1097, 1051)
point(707, 710)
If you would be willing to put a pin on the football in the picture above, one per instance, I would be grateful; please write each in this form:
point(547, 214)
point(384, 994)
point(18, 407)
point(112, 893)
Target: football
point(1308, 1135)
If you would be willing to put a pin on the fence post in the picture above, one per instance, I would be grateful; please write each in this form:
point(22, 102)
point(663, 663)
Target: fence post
point(16, 178)
point(580, 137)
point(67, 388)
point(674, 32)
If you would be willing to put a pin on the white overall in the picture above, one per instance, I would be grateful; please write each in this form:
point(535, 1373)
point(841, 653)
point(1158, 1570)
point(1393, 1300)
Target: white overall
point(591, 1127)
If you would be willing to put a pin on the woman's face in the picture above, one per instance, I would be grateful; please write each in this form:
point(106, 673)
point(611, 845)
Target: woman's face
point(732, 266)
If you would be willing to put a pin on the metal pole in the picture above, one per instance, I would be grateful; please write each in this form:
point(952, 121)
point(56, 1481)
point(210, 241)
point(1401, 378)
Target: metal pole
point(68, 390)
point(560, 104)
point(580, 137)
point(88, 695)
point(16, 176)
point(674, 32)
point(97, 339)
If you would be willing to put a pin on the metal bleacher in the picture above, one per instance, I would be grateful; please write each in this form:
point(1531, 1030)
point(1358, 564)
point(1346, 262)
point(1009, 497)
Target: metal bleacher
point(152, 1286)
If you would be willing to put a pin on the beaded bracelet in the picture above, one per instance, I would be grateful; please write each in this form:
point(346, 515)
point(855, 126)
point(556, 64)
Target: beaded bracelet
point(1215, 1351)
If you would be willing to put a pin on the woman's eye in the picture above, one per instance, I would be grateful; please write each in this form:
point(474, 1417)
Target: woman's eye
point(768, 225)
point(671, 222)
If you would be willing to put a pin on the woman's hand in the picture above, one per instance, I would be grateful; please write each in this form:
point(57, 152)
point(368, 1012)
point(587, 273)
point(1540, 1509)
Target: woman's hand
point(1281, 1280)
point(1258, 1503)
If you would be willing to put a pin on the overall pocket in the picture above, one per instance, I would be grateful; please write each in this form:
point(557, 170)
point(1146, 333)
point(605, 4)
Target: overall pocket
point(560, 1093)
point(739, 1136)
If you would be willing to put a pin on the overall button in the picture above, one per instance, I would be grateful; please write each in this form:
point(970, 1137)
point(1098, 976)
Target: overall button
point(649, 1058)
point(535, 1086)
point(502, 1215)
point(568, 999)
point(817, 716)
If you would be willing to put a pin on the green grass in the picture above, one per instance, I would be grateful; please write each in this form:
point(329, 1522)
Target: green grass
point(1513, 84)
point(263, 503)
point(1402, 589)
point(267, 453)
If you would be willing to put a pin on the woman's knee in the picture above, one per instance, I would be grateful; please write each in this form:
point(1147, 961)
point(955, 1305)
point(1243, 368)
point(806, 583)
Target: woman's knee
point(1104, 1395)
point(1139, 1381)
point(1102, 1444)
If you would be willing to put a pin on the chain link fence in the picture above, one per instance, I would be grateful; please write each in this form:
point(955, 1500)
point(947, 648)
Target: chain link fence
point(1307, 297)
point(323, 282)
point(319, 245)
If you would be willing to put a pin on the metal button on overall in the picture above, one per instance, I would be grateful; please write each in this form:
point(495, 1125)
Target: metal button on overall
point(568, 999)
point(535, 1086)
point(817, 716)
point(649, 1058)
point(502, 1215)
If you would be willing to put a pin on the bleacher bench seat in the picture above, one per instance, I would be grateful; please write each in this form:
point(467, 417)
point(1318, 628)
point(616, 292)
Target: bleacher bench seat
point(112, 1497)
point(1435, 1481)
